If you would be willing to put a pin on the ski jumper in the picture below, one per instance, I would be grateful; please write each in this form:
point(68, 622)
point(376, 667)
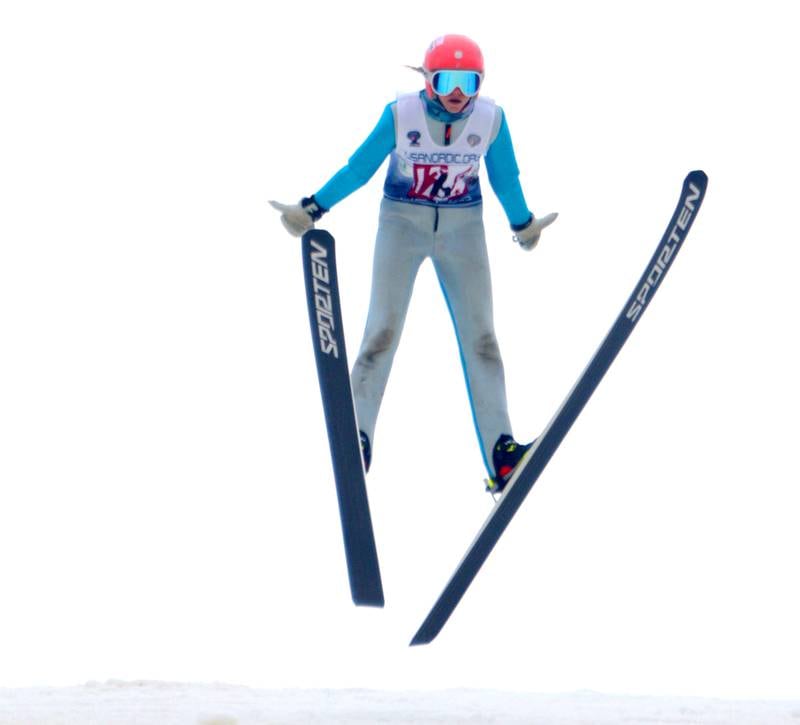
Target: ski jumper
point(432, 208)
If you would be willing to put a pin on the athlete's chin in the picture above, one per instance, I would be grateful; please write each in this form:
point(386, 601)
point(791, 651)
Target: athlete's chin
point(455, 106)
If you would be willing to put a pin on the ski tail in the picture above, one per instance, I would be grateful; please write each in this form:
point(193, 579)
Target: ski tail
point(535, 460)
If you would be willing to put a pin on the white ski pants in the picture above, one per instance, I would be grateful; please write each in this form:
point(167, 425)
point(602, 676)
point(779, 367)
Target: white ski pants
point(454, 240)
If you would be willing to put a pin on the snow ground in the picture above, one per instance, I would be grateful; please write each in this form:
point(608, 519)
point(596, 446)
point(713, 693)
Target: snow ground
point(162, 703)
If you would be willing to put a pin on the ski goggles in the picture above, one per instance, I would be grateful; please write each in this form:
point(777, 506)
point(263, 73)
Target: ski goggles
point(444, 82)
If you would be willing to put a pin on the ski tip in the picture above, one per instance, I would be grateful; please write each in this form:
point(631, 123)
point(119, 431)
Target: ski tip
point(698, 177)
point(321, 235)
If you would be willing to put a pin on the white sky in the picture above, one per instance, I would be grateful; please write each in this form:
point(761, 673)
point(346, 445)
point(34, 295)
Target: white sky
point(167, 509)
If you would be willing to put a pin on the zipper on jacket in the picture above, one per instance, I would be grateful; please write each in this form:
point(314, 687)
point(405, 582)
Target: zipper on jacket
point(448, 128)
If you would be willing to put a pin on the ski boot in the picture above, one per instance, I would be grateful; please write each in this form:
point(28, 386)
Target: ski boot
point(366, 449)
point(506, 455)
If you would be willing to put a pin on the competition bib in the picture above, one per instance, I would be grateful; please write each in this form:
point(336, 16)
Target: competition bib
point(425, 172)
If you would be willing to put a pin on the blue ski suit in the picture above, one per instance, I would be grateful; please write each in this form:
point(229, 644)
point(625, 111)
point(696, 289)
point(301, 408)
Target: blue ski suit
point(432, 208)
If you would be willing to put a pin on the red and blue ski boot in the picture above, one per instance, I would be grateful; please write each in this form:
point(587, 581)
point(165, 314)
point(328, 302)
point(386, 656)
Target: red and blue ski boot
point(366, 449)
point(506, 455)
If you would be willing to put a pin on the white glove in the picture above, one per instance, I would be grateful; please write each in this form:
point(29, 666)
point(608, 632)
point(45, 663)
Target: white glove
point(299, 218)
point(528, 237)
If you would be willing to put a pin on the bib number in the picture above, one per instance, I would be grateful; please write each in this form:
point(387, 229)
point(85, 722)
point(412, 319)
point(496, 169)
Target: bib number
point(439, 182)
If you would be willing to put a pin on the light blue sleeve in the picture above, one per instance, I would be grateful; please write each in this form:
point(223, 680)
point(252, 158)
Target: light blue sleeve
point(501, 165)
point(363, 164)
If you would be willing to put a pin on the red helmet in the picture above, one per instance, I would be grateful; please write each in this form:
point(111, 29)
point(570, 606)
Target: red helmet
point(451, 52)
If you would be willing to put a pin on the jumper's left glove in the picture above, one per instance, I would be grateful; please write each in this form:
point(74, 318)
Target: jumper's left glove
point(299, 218)
point(527, 235)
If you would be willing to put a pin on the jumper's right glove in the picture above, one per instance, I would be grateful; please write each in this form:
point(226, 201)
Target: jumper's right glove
point(299, 218)
point(527, 235)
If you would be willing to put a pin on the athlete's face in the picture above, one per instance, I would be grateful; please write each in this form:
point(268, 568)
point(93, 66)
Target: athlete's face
point(454, 102)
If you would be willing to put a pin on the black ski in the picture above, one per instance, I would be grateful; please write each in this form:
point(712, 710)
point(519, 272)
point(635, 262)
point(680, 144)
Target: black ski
point(327, 336)
point(537, 457)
